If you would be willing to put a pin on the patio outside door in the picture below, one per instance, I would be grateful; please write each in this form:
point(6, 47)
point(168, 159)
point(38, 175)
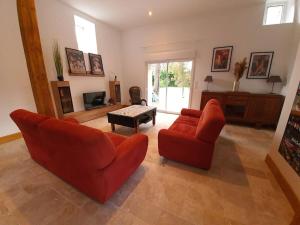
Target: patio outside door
point(169, 85)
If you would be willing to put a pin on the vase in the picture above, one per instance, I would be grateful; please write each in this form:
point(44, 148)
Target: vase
point(60, 77)
point(236, 85)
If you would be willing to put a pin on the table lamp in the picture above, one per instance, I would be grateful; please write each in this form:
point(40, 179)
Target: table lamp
point(274, 79)
point(208, 79)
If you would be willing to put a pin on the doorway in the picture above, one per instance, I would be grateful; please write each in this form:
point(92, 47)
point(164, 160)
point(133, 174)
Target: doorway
point(169, 85)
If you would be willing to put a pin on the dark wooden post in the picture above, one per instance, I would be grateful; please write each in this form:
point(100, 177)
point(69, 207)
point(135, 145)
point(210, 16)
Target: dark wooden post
point(34, 56)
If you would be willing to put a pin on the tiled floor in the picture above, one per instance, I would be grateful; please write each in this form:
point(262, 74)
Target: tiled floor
point(238, 190)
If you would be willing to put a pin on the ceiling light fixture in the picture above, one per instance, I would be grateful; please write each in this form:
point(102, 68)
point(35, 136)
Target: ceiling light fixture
point(150, 13)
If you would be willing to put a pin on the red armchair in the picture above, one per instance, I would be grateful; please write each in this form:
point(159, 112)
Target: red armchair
point(94, 162)
point(191, 138)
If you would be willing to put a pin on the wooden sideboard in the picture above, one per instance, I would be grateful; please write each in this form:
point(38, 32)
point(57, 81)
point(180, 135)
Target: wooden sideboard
point(245, 107)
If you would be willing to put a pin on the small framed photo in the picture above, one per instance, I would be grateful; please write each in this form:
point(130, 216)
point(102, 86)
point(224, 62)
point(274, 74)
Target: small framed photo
point(260, 65)
point(96, 64)
point(221, 59)
point(76, 62)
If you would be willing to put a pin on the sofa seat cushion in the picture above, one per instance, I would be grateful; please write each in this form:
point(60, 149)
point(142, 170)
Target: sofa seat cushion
point(188, 120)
point(183, 129)
point(115, 138)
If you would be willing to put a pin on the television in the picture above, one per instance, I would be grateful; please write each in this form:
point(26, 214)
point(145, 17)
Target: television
point(94, 100)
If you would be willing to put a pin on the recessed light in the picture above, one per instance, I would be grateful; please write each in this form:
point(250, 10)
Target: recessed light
point(150, 13)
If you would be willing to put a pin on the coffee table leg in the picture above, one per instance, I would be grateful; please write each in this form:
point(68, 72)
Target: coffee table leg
point(136, 127)
point(153, 118)
point(113, 127)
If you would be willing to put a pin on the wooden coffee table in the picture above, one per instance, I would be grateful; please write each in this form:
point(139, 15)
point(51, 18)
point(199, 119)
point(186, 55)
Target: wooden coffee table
point(132, 116)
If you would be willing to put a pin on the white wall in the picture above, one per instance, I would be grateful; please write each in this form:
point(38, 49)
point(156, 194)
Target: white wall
point(15, 88)
point(291, 176)
point(56, 22)
point(241, 28)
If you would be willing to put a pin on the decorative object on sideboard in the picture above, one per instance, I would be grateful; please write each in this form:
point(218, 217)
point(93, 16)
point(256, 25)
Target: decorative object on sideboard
point(58, 62)
point(221, 60)
point(96, 64)
point(76, 62)
point(260, 65)
point(208, 79)
point(274, 79)
point(239, 70)
point(116, 78)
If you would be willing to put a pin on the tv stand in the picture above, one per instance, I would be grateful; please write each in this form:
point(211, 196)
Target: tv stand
point(91, 114)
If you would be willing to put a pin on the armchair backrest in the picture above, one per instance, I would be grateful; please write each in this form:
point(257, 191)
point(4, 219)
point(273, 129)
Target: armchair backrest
point(135, 95)
point(211, 122)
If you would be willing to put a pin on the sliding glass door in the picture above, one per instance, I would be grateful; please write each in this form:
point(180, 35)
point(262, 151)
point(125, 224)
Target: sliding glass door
point(169, 85)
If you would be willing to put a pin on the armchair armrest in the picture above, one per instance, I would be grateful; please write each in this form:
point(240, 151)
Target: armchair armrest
point(191, 112)
point(70, 120)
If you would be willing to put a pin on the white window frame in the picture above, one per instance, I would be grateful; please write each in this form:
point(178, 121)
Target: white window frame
point(274, 4)
point(94, 38)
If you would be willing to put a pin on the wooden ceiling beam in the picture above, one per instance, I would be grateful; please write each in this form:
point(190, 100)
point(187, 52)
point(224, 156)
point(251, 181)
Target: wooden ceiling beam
point(34, 56)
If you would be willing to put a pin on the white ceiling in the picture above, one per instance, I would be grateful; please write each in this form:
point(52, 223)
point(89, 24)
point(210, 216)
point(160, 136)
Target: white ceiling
point(126, 14)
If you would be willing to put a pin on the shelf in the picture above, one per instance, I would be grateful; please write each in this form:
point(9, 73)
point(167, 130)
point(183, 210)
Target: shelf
point(92, 114)
point(87, 74)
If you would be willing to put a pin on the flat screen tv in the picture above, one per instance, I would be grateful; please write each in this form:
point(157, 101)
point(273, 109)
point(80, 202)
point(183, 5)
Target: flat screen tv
point(94, 100)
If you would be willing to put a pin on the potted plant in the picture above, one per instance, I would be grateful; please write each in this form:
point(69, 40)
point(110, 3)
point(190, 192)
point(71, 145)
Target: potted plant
point(58, 62)
point(239, 70)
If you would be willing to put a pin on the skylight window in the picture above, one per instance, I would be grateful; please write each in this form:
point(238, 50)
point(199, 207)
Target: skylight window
point(274, 14)
point(279, 11)
point(85, 35)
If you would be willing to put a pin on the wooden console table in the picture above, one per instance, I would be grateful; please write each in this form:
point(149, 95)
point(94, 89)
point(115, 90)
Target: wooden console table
point(245, 107)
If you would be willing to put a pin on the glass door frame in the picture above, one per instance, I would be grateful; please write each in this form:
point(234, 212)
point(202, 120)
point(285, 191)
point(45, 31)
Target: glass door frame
point(170, 61)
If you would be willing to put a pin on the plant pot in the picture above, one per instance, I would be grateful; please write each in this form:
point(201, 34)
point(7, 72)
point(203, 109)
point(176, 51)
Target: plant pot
point(236, 85)
point(60, 77)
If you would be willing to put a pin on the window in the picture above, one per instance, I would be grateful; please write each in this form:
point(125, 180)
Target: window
point(274, 14)
point(85, 35)
point(279, 11)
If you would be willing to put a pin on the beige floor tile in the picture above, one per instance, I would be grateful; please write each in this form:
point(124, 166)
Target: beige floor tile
point(239, 189)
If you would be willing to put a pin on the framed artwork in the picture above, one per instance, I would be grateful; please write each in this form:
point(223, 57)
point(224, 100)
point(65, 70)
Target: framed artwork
point(221, 59)
point(76, 61)
point(96, 64)
point(290, 146)
point(260, 65)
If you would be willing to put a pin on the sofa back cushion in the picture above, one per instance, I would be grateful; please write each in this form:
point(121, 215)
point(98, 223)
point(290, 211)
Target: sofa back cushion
point(67, 146)
point(211, 122)
point(75, 145)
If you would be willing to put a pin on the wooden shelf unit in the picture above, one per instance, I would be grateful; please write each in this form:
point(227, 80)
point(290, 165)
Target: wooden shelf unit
point(245, 107)
point(62, 97)
point(115, 91)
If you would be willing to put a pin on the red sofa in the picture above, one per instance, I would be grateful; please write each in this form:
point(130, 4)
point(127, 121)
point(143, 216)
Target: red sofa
point(94, 162)
point(191, 138)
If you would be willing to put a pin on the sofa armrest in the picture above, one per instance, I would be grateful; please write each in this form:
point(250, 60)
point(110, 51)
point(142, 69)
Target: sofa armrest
point(130, 154)
point(177, 138)
point(191, 112)
point(186, 149)
point(70, 120)
point(137, 141)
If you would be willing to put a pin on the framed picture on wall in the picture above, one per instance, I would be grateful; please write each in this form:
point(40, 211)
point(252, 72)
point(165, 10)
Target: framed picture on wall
point(221, 59)
point(96, 64)
point(260, 65)
point(76, 62)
